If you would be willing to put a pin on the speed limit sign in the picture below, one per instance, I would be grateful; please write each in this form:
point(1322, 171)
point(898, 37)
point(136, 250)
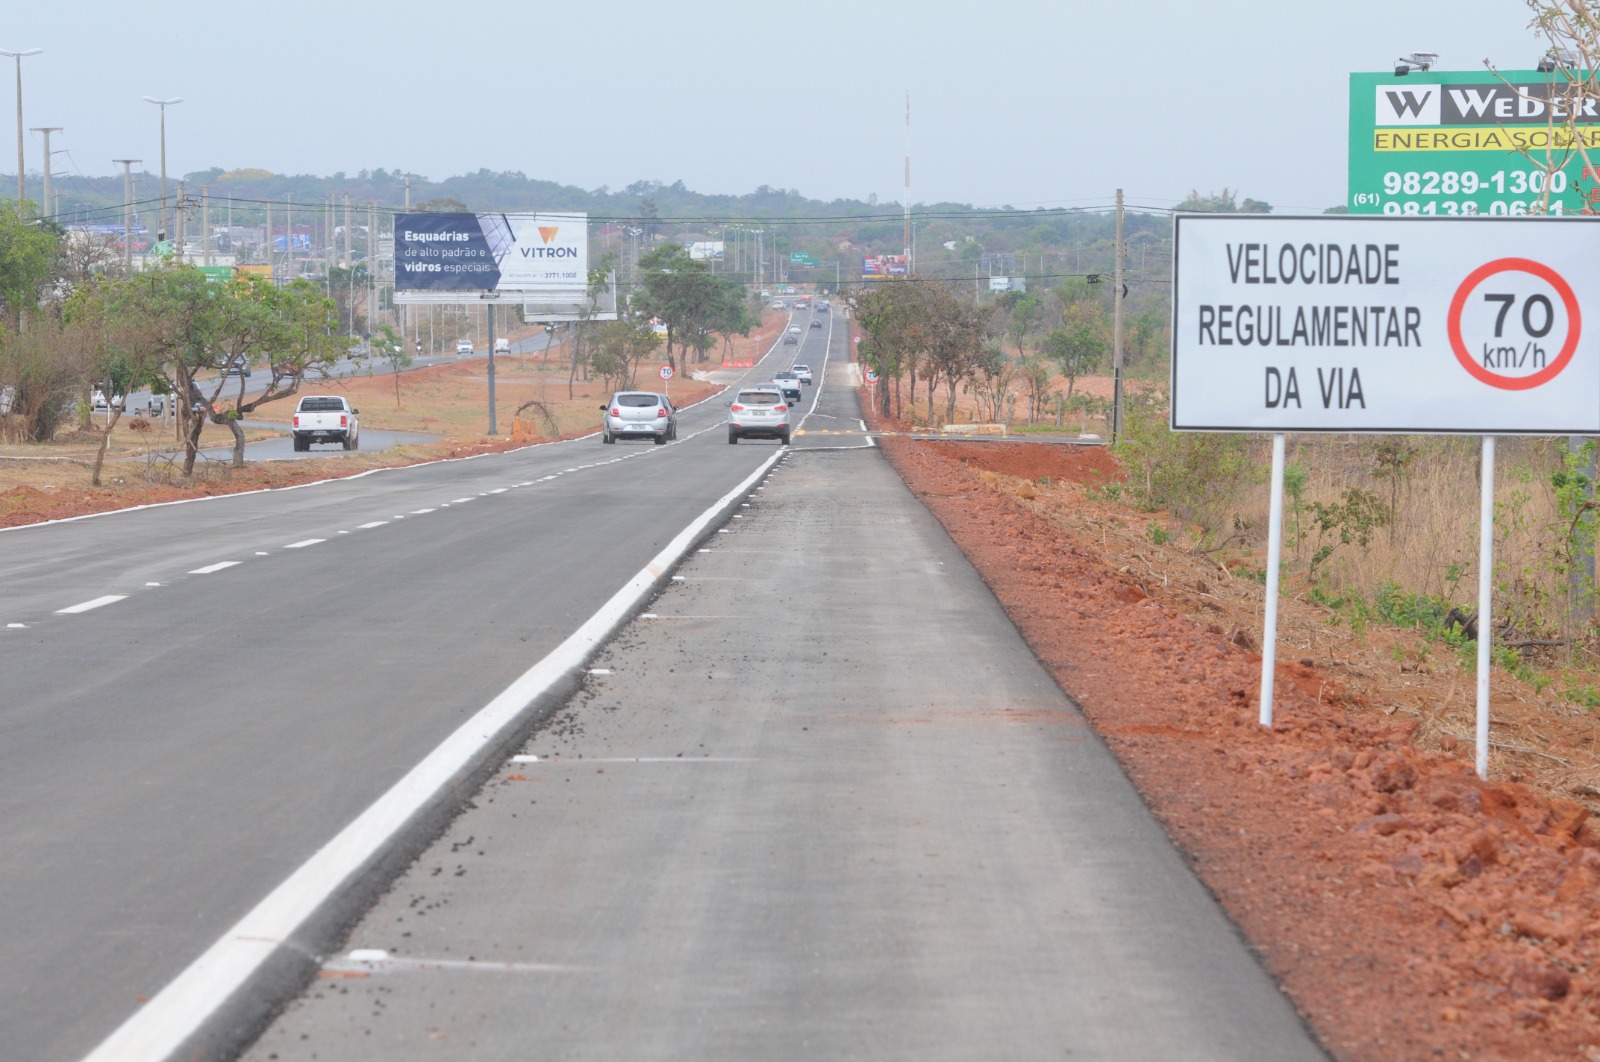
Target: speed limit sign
point(666, 372)
point(1515, 323)
point(1446, 325)
point(872, 376)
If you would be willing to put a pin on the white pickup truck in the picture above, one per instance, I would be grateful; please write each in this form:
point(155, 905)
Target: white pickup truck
point(325, 419)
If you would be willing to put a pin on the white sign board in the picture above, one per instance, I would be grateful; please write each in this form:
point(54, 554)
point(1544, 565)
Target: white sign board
point(1481, 326)
point(495, 252)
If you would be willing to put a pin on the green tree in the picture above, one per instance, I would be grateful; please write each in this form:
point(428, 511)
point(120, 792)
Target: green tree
point(1081, 341)
point(28, 253)
point(678, 291)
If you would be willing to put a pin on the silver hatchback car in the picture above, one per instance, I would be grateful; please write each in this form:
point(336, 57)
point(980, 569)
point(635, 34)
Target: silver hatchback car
point(759, 412)
point(638, 415)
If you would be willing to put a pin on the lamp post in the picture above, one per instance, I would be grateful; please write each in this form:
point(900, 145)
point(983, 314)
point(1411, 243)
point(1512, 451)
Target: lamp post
point(162, 234)
point(19, 56)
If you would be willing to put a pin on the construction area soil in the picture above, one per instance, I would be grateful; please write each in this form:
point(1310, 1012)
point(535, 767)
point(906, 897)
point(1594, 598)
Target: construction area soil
point(1410, 910)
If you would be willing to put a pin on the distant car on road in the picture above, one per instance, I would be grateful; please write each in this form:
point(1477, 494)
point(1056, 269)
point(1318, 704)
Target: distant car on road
point(325, 419)
point(802, 371)
point(97, 401)
point(463, 346)
point(758, 412)
point(638, 415)
point(789, 383)
point(816, 323)
point(502, 345)
point(790, 339)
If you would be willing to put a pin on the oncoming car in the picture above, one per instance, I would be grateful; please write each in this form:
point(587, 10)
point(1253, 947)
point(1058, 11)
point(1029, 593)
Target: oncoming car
point(758, 412)
point(638, 415)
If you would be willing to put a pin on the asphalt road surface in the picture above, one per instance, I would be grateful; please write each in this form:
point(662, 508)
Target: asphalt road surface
point(895, 837)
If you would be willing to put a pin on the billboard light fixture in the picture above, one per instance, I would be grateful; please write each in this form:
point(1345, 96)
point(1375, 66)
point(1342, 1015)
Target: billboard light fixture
point(1558, 59)
point(1415, 61)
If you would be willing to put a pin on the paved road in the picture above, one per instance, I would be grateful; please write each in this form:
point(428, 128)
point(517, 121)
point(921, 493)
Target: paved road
point(820, 803)
point(201, 697)
point(197, 696)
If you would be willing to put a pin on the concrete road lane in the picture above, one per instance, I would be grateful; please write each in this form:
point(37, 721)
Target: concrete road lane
point(821, 802)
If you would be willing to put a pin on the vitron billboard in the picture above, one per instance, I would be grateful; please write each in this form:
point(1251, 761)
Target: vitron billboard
point(1444, 144)
point(490, 252)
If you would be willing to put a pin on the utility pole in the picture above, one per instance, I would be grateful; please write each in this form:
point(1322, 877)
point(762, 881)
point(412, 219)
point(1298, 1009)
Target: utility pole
point(272, 273)
point(288, 233)
point(408, 191)
point(127, 211)
point(181, 206)
point(19, 56)
point(48, 206)
point(344, 259)
point(1116, 333)
point(372, 271)
point(205, 224)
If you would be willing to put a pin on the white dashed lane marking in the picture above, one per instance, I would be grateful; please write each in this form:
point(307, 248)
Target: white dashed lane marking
point(303, 543)
point(87, 605)
point(374, 523)
point(208, 569)
point(419, 512)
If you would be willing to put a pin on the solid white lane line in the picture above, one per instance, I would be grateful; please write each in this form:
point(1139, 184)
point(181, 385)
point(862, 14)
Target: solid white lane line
point(377, 961)
point(208, 569)
point(374, 523)
point(303, 543)
point(159, 1027)
point(87, 605)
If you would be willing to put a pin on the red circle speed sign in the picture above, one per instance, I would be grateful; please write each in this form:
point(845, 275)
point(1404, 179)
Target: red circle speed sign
point(1537, 312)
point(666, 372)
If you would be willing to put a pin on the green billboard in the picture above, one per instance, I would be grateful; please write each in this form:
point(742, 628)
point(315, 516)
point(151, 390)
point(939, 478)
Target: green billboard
point(800, 259)
point(1450, 143)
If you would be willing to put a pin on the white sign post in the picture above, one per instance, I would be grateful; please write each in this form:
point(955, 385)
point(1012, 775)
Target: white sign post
point(1456, 326)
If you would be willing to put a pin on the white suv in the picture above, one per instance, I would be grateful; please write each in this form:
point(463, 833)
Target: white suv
point(758, 412)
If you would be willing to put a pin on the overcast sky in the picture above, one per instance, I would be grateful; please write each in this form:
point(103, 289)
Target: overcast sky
point(1025, 103)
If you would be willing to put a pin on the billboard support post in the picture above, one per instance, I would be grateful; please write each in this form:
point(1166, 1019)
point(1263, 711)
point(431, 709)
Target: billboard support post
point(1485, 593)
point(491, 368)
point(1269, 623)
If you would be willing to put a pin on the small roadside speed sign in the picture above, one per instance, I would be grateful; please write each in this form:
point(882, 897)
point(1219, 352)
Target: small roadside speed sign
point(666, 372)
point(1449, 326)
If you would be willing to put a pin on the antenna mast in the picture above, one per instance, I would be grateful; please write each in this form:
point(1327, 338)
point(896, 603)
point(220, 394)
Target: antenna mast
point(907, 232)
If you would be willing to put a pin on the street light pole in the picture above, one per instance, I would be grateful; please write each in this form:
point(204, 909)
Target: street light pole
point(161, 235)
point(19, 56)
point(127, 211)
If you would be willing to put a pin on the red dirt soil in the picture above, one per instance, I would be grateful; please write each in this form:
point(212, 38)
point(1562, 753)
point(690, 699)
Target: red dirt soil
point(1409, 910)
